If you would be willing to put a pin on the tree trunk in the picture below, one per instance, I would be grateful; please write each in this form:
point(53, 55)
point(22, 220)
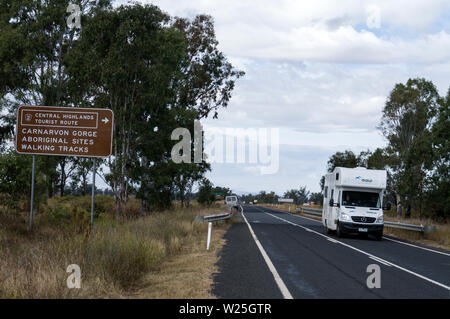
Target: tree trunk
point(118, 207)
point(421, 194)
point(49, 185)
point(63, 181)
point(182, 197)
point(84, 176)
point(52, 187)
point(142, 207)
point(399, 206)
point(408, 211)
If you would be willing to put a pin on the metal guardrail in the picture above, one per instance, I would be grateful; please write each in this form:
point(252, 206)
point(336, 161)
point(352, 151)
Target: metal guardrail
point(214, 218)
point(310, 211)
point(217, 217)
point(418, 228)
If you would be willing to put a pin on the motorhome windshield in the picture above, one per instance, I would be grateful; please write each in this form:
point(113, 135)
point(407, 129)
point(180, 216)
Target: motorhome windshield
point(361, 199)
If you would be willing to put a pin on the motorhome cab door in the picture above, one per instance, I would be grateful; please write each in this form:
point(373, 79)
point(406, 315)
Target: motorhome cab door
point(330, 215)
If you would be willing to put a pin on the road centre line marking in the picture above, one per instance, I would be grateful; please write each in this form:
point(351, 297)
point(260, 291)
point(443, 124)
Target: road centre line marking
point(369, 255)
point(380, 261)
point(281, 285)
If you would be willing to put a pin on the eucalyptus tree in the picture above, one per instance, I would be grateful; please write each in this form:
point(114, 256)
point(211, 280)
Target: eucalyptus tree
point(156, 73)
point(406, 122)
point(439, 179)
point(35, 40)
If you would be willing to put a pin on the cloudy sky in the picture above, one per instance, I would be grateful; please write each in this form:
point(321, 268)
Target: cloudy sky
point(319, 72)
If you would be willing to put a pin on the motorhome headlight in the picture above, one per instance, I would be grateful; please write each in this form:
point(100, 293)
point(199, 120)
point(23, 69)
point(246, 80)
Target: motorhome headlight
point(345, 217)
point(380, 219)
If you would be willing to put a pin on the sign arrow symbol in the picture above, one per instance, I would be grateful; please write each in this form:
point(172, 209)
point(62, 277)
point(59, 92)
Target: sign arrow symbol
point(105, 120)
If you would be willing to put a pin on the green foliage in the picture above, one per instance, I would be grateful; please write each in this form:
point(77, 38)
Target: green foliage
point(406, 122)
point(224, 191)
point(317, 198)
point(15, 179)
point(247, 198)
point(155, 72)
point(126, 258)
point(372, 160)
point(264, 197)
point(205, 195)
point(207, 77)
point(73, 212)
point(416, 125)
point(59, 213)
point(342, 159)
point(300, 196)
point(81, 220)
point(439, 182)
point(378, 159)
point(13, 49)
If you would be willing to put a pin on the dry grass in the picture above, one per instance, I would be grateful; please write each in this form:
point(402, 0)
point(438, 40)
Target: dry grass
point(188, 275)
point(116, 260)
point(440, 238)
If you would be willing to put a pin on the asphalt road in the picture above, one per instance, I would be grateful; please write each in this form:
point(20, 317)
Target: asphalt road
point(302, 261)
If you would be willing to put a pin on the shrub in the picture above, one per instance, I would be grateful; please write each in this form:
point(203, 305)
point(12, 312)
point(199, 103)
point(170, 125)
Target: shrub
point(60, 212)
point(81, 219)
point(124, 258)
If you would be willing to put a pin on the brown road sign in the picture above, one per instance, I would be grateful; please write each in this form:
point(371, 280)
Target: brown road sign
point(64, 131)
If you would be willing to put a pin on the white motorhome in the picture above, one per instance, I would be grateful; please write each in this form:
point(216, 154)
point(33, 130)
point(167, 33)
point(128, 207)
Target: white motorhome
point(353, 201)
point(232, 201)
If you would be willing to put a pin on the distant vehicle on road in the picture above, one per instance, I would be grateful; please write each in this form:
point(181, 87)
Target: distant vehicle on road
point(232, 201)
point(353, 199)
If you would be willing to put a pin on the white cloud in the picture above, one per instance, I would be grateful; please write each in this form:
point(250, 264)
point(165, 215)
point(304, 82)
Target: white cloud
point(343, 45)
point(317, 71)
point(326, 31)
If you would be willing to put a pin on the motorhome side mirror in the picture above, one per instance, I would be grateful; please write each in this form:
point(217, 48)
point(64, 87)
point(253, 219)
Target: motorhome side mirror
point(388, 206)
point(338, 205)
point(331, 202)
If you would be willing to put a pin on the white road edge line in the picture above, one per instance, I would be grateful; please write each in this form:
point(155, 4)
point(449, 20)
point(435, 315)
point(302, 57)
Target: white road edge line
point(397, 241)
point(280, 283)
point(370, 255)
point(408, 244)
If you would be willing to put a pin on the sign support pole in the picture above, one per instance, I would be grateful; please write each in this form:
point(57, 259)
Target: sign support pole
point(32, 192)
point(93, 193)
point(208, 240)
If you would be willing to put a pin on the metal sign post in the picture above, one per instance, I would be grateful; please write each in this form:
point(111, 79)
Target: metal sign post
point(32, 191)
point(93, 194)
point(208, 240)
